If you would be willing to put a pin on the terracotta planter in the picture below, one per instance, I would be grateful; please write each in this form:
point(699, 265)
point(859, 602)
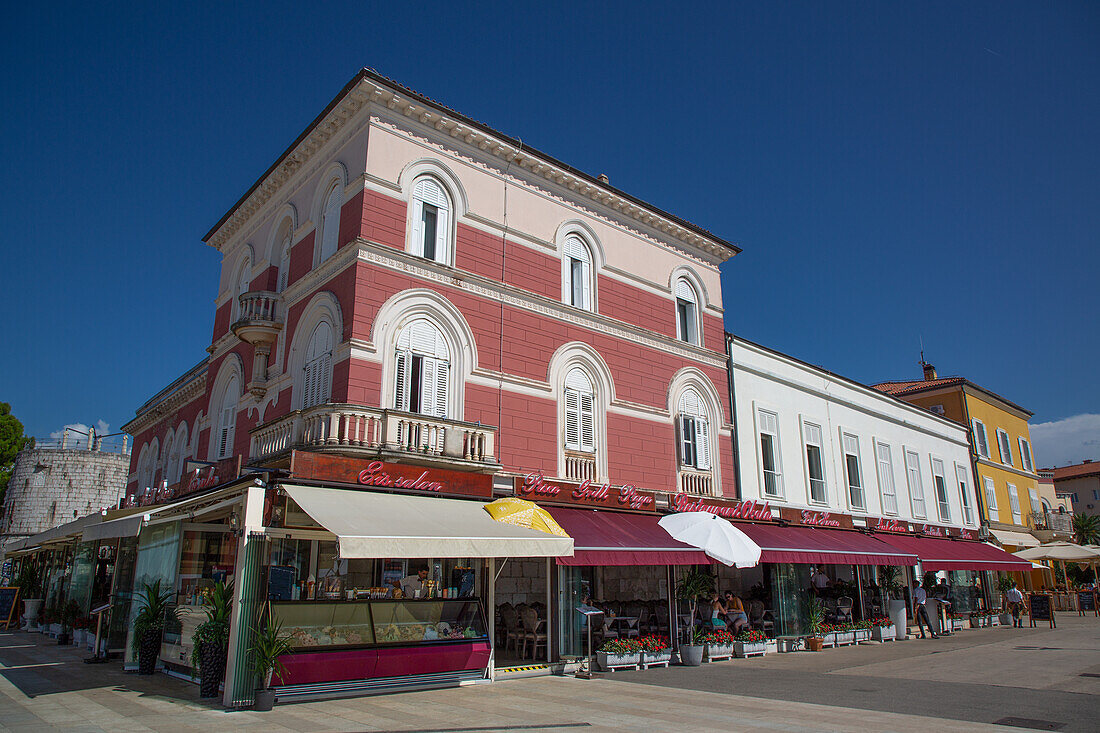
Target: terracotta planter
point(814, 644)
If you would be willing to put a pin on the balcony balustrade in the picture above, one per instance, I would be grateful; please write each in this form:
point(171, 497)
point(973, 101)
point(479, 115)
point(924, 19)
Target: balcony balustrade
point(700, 483)
point(580, 466)
point(259, 317)
point(1060, 524)
point(343, 427)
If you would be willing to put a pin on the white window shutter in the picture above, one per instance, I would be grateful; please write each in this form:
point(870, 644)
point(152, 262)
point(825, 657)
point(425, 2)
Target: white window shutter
point(586, 285)
point(225, 441)
point(427, 387)
point(330, 224)
point(702, 444)
point(572, 420)
point(418, 229)
point(442, 374)
point(588, 422)
point(326, 374)
point(401, 387)
point(441, 230)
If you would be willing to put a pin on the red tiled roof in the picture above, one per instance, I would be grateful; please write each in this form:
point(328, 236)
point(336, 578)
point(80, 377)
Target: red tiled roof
point(1076, 471)
point(902, 388)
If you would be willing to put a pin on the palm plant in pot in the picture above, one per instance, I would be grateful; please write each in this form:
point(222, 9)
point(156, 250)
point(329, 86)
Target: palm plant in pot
point(269, 643)
point(815, 617)
point(693, 586)
point(30, 590)
point(211, 640)
point(69, 614)
point(148, 624)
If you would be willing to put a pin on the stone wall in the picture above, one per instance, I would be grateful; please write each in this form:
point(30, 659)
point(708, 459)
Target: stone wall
point(521, 581)
point(52, 486)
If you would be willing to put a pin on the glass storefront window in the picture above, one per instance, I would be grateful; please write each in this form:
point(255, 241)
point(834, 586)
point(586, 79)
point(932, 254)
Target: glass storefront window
point(575, 585)
point(157, 559)
point(80, 586)
point(789, 595)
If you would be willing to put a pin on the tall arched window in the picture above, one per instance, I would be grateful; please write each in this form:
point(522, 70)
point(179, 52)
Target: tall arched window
point(330, 222)
point(431, 220)
point(687, 312)
point(317, 379)
point(284, 263)
point(577, 282)
point(694, 429)
point(423, 370)
point(241, 285)
point(179, 453)
point(227, 420)
point(580, 412)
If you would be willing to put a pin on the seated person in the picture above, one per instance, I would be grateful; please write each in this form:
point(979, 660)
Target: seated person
point(718, 612)
point(736, 617)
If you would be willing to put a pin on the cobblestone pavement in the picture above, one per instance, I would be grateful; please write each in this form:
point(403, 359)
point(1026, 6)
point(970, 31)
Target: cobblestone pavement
point(46, 687)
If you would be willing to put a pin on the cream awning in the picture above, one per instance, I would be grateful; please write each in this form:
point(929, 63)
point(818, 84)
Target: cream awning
point(372, 524)
point(1016, 539)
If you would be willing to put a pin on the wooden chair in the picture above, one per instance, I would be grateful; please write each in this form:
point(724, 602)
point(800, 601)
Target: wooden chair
point(844, 609)
point(502, 631)
point(759, 618)
point(534, 631)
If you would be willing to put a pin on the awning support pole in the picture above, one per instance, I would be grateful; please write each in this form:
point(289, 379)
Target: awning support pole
point(500, 569)
point(491, 612)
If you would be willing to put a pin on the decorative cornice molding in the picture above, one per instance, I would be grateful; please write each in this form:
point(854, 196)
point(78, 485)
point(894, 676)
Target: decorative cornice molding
point(151, 413)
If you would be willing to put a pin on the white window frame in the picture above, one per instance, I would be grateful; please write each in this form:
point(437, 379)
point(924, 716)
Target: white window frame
point(808, 429)
point(915, 484)
point(442, 200)
point(580, 291)
point(981, 438)
point(685, 297)
point(990, 488)
point(763, 416)
point(317, 370)
point(241, 285)
point(1004, 446)
point(284, 263)
point(1025, 455)
point(227, 420)
point(963, 480)
point(1033, 500)
point(693, 432)
point(422, 352)
point(580, 411)
point(885, 471)
point(1014, 504)
point(939, 488)
point(331, 206)
point(858, 485)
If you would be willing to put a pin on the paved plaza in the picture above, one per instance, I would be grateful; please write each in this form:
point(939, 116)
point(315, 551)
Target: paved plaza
point(1035, 678)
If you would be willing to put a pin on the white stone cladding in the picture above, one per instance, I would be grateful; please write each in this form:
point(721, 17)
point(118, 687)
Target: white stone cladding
point(52, 486)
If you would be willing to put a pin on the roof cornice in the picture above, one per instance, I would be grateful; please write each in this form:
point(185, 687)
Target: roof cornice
point(190, 386)
point(369, 86)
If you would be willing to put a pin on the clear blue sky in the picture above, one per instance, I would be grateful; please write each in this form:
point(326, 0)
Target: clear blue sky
point(893, 171)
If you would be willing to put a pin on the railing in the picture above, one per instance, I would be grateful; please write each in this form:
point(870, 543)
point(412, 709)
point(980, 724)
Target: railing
point(699, 483)
point(354, 426)
point(259, 305)
point(580, 466)
point(1053, 521)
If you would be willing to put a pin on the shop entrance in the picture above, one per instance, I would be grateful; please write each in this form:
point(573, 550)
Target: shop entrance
point(522, 612)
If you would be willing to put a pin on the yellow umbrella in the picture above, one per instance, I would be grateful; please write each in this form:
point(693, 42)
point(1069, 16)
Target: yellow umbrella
point(523, 513)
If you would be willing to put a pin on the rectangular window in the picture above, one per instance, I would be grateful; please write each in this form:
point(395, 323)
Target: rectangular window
point(1095, 495)
point(886, 478)
point(943, 506)
point(687, 441)
point(916, 487)
point(964, 493)
point(429, 222)
point(1005, 446)
point(855, 476)
point(1036, 505)
point(1025, 455)
point(815, 467)
point(1014, 503)
point(990, 498)
point(576, 283)
point(769, 452)
point(685, 320)
point(981, 439)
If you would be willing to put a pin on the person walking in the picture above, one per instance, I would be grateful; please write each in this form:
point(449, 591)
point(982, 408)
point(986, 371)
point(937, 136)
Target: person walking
point(1015, 603)
point(920, 613)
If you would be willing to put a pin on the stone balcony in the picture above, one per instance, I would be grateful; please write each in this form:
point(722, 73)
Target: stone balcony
point(259, 319)
point(699, 483)
point(388, 434)
point(1047, 526)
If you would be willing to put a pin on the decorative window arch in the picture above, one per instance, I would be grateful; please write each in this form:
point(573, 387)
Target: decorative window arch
point(431, 219)
point(316, 381)
point(284, 244)
point(578, 283)
point(151, 465)
point(694, 431)
point(227, 418)
point(322, 309)
point(688, 327)
point(178, 455)
point(242, 282)
point(583, 389)
point(580, 411)
point(329, 234)
point(422, 370)
point(695, 406)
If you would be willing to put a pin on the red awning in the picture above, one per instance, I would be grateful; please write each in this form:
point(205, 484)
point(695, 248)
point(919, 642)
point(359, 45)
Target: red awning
point(829, 546)
point(941, 554)
point(618, 538)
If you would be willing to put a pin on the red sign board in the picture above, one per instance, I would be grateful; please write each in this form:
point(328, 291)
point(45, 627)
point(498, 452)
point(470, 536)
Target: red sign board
point(967, 534)
point(933, 530)
point(380, 474)
point(747, 509)
point(536, 487)
point(206, 477)
point(889, 525)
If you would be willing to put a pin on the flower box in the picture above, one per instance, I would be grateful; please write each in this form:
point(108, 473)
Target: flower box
point(55, 630)
point(884, 633)
point(719, 651)
point(744, 649)
point(862, 635)
point(610, 662)
point(958, 624)
point(771, 646)
point(845, 638)
point(828, 639)
point(995, 621)
point(656, 659)
point(78, 637)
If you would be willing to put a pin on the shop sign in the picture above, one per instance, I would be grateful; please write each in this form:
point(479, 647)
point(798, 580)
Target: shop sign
point(385, 475)
point(202, 478)
point(932, 530)
point(535, 487)
point(748, 509)
point(819, 519)
point(967, 534)
point(890, 525)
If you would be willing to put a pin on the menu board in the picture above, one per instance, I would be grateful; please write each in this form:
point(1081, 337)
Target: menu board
point(1040, 608)
point(9, 597)
point(1086, 601)
point(280, 581)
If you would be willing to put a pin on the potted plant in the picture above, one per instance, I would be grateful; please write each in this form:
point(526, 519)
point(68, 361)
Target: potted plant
point(719, 645)
point(750, 643)
point(958, 623)
point(656, 651)
point(890, 581)
point(50, 620)
point(862, 630)
point(30, 590)
point(269, 645)
point(815, 616)
point(70, 612)
point(693, 586)
point(211, 640)
point(148, 626)
point(882, 629)
point(619, 654)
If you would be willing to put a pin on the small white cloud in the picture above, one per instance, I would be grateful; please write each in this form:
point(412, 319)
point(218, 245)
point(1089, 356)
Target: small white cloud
point(1067, 441)
point(77, 433)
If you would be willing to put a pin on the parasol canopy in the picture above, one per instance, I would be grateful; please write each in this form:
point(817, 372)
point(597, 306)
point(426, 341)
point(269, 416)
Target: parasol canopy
point(713, 535)
point(523, 513)
point(1064, 551)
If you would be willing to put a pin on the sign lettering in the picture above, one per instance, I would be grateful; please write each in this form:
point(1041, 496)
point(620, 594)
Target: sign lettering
point(967, 534)
point(373, 475)
point(819, 519)
point(932, 530)
point(890, 525)
point(535, 486)
point(747, 509)
point(385, 475)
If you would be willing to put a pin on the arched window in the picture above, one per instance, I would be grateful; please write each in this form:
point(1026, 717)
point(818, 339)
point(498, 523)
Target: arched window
point(694, 429)
point(431, 220)
point(580, 412)
point(227, 419)
point(317, 377)
point(423, 370)
point(687, 312)
point(330, 222)
point(179, 453)
point(240, 287)
point(284, 263)
point(577, 281)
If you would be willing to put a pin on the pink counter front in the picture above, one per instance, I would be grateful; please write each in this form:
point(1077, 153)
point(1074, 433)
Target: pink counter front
point(305, 668)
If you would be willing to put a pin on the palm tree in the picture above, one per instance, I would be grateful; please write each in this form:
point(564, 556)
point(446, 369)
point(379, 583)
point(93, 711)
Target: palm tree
point(1086, 529)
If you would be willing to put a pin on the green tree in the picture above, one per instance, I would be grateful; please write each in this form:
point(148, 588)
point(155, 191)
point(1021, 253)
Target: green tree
point(1086, 529)
point(11, 442)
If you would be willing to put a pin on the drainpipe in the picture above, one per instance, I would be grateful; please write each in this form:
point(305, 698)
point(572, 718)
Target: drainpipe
point(979, 489)
point(733, 416)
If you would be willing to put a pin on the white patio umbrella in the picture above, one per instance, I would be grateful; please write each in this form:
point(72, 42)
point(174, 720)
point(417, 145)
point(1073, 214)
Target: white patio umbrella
point(715, 536)
point(1061, 551)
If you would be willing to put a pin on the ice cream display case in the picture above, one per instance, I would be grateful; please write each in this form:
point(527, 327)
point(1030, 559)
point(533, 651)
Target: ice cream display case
point(336, 641)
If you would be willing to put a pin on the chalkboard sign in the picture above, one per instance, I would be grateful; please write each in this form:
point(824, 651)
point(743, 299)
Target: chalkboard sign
point(280, 580)
point(9, 603)
point(1086, 601)
point(1040, 608)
